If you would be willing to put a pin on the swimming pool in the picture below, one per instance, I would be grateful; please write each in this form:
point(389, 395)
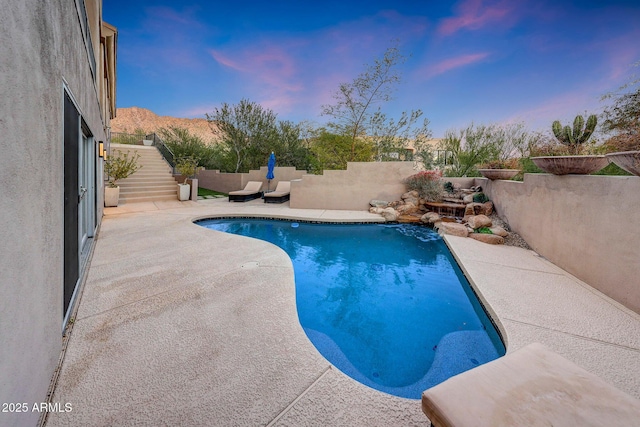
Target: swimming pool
point(385, 304)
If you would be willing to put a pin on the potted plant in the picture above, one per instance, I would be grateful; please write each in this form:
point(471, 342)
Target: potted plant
point(187, 167)
point(573, 139)
point(500, 169)
point(623, 149)
point(118, 167)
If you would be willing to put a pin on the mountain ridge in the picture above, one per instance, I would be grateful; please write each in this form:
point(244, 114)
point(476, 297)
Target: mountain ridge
point(131, 119)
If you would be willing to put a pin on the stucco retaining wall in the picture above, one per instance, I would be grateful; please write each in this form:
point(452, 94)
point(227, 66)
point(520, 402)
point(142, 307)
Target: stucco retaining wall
point(587, 225)
point(226, 182)
point(353, 188)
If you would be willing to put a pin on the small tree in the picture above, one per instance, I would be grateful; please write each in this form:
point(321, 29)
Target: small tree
point(622, 118)
point(120, 166)
point(187, 167)
point(357, 110)
point(468, 148)
point(245, 129)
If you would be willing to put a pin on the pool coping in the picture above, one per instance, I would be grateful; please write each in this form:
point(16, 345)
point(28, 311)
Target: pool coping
point(122, 318)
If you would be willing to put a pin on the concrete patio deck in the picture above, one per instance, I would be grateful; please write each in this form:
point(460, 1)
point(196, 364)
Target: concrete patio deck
point(180, 325)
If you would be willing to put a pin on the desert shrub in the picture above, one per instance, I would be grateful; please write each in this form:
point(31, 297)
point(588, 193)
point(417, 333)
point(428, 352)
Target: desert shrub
point(427, 184)
point(448, 187)
point(480, 198)
point(484, 230)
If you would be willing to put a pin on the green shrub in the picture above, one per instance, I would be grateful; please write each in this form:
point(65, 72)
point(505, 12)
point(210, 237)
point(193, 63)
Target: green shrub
point(484, 230)
point(448, 187)
point(480, 198)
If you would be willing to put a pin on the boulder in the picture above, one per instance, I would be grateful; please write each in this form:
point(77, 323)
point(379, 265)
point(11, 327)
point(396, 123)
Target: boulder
point(409, 219)
point(389, 214)
point(478, 221)
point(375, 210)
point(499, 231)
point(395, 203)
point(430, 218)
point(486, 208)
point(492, 239)
point(378, 203)
point(468, 198)
point(452, 228)
point(413, 194)
point(407, 208)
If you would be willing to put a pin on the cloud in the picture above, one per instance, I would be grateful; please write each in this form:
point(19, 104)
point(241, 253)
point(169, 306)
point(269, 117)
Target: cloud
point(451, 64)
point(474, 15)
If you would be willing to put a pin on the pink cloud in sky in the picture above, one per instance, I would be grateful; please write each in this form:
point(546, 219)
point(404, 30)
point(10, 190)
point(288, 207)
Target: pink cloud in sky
point(451, 64)
point(476, 14)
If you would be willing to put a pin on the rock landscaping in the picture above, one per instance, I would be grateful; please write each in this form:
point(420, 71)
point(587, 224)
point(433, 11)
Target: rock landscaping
point(479, 221)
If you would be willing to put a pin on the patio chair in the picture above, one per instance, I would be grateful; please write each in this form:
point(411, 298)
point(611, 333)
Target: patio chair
point(280, 194)
point(251, 191)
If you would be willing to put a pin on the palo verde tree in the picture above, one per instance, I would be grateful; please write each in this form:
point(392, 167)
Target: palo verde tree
point(357, 109)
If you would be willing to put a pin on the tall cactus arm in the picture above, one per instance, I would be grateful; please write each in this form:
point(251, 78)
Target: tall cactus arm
point(592, 121)
point(578, 124)
point(568, 135)
point(559, 132)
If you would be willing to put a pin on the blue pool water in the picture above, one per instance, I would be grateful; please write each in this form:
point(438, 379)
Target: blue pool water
point(385, 304)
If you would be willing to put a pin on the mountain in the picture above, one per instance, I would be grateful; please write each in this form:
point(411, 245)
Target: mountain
point(130, 119)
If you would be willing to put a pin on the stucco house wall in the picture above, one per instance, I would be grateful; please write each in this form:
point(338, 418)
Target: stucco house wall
point(43, 51)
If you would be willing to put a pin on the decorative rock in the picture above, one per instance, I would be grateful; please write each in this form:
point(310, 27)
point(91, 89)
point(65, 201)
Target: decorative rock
point(378, 203)
point(469, 210)
point(486, 208)
point(409, 218)
point(430, 218)
point(407, 208)
point(499, 231)
point(375, 210)
point(389, 214)
point(478, 221)
point(468, 198)
point(395, 204)
point(492, 239)
point(452, 228)
point(413, 194)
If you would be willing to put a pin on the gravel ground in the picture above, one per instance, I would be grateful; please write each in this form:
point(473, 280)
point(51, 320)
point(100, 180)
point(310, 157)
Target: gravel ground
point(513, 239)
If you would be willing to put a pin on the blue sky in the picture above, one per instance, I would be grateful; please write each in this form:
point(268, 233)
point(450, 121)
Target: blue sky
point(471, 60)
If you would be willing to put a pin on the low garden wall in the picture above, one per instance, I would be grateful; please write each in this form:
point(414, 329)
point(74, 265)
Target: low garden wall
point(226, 182)
point(353, 188)
point(587, 225)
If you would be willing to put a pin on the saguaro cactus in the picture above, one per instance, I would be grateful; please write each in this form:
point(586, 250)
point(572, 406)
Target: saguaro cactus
point(574, 138)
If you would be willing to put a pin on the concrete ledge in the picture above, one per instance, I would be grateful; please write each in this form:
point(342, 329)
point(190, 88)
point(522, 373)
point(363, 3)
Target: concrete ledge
point(530, 387)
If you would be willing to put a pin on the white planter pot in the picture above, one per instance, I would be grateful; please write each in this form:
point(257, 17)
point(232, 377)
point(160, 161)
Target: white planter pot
point(111, 196)
point(184, 192)
point(147, 142)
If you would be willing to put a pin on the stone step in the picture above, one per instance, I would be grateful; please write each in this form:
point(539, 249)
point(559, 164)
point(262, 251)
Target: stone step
point(129, 182)
point(148, 187)
point(148, 199)
point(126, 195)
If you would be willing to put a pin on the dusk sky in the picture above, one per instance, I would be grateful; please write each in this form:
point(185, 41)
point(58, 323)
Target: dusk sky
point(472, 60)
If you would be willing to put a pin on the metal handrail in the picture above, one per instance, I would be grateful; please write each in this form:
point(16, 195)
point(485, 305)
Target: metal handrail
point(165, 151)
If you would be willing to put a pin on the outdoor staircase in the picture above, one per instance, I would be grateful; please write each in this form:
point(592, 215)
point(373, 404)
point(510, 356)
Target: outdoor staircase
point(152, 182)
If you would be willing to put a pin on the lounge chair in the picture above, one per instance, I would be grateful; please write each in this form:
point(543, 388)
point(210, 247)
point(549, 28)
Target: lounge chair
point(280, 194)
point(251, 191)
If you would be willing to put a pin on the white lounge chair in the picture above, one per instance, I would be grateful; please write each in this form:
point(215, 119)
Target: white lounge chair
point(251, 191)
point(280, 194)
